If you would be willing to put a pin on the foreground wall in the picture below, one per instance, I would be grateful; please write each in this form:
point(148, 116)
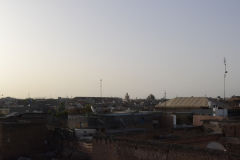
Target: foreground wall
point(22, 139)
point(106, 149)
point(232, 130)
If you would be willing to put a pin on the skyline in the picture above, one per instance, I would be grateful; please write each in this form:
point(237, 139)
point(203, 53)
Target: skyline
point(63, 48)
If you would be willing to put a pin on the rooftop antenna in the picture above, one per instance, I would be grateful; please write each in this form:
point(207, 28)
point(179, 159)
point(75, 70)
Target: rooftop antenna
point(29, 96)
point(165, 97)
point(165, 94)
point(101, 87)
point(225, 76)
point(164, 100)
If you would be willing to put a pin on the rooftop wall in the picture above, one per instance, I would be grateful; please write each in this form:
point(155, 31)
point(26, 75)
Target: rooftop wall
point(198, 119)
point(23, 137)
point(107, 149)
point(232, 130)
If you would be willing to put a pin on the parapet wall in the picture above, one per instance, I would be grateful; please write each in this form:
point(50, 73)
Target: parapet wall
point(21, 139)
point(232, 130)
point(120, 149)
point(198, 119)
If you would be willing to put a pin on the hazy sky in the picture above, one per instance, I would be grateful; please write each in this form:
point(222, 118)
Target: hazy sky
point(51, 48)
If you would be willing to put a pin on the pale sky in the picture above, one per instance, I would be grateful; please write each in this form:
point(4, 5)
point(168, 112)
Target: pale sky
point(51, 48)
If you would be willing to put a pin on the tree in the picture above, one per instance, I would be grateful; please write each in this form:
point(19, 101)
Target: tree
point(61, 111)
point(151, 98)
point(87, 109)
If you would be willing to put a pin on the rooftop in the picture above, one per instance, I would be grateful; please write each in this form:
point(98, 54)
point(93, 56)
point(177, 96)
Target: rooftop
point(187, 102)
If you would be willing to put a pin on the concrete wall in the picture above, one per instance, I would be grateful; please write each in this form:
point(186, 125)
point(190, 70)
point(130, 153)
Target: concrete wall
point(105, 149)
point(164, 121)
point(232, 130)
point(77, 121)
point(198, 119)
point(119, 121)
point(4, 111)
point(20, 139)
point(221, 112)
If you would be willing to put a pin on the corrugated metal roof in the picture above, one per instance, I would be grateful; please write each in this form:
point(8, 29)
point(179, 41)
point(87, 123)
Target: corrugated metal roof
point(188, 102)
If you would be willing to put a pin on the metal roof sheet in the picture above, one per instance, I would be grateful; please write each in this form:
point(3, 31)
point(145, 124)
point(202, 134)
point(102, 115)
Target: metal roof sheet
point(188, 102)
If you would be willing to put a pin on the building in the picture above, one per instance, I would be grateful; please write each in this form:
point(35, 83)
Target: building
point(77, 121)
point(186, 107)
point(195, 105)
point(191, 102)
point(234, 101)
point(4, 111)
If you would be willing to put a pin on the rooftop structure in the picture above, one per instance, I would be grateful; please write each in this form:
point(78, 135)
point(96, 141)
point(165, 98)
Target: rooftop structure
point(191, 102)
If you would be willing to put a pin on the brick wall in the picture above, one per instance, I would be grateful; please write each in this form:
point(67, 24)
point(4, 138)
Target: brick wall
point(107, 149)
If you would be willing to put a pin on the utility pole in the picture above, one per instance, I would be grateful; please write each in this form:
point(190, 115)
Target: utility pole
point(164, 99)
point(101, 87)
point(29, 96)
point(225, 76)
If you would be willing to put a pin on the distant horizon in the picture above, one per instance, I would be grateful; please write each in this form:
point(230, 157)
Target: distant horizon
point(158, 98)
point(63, 48)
